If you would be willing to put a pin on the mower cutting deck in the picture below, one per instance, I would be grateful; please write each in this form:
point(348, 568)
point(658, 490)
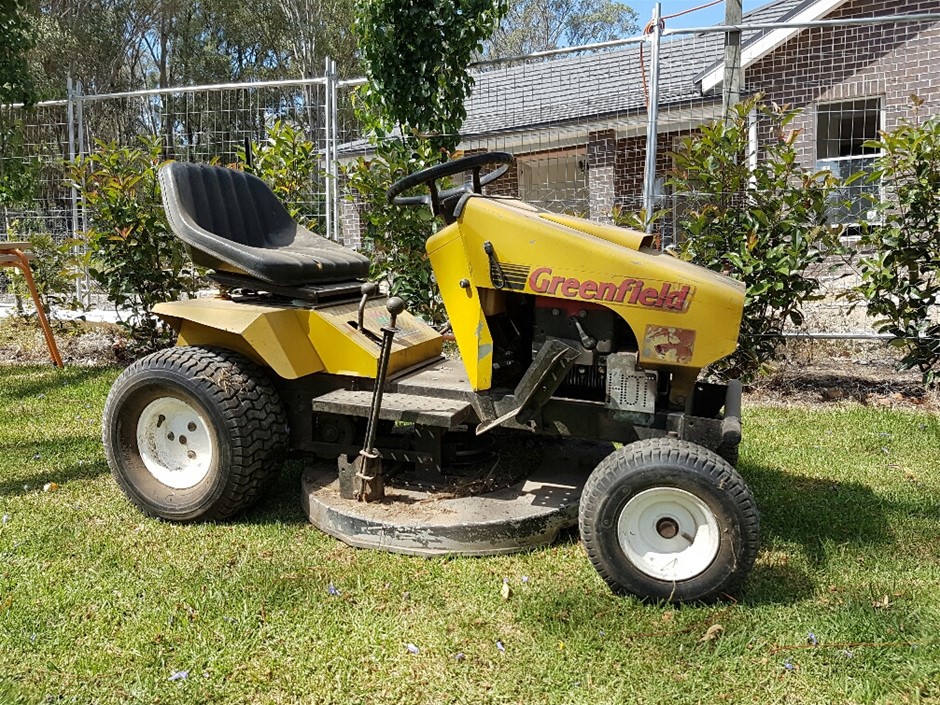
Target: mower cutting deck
point(575, 397)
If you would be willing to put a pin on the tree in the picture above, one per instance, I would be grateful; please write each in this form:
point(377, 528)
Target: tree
point(416, 55)
point(95, 42)
point(317, 29)
point(114, 45)
point(212, 41)
point(538, 25)
point(17, 171)
point(16, 39)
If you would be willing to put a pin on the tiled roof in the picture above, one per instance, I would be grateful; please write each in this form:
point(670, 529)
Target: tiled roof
point(602, 84)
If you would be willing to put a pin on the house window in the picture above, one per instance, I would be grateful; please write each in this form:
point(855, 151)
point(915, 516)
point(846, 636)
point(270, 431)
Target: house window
point(842, 131)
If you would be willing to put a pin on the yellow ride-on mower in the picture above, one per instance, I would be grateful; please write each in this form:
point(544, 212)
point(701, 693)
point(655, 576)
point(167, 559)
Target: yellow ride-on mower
point(580, 349)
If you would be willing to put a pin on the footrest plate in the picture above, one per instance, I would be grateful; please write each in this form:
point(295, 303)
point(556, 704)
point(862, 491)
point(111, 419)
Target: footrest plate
point(425, 411)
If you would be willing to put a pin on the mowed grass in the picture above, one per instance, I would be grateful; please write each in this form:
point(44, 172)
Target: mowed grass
point(101, 605)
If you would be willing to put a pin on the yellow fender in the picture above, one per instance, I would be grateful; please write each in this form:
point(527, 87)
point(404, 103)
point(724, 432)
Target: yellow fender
point(295, 342)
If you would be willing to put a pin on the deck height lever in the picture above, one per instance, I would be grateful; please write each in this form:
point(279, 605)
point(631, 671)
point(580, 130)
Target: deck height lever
point(368, 480)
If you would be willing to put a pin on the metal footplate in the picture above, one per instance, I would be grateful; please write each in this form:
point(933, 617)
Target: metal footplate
point(413, 408)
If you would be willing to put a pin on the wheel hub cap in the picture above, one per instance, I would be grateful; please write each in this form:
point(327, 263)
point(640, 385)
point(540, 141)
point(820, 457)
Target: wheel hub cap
point(667, 527)
point(668, 533)
point(174, 442)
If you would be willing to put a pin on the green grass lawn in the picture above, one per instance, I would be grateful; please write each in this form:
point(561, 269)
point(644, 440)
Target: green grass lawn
point(101, 605)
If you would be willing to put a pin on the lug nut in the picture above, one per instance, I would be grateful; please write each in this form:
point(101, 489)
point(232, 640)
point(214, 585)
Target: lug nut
point(183, 440)
point(170, 436)
point(191, 426)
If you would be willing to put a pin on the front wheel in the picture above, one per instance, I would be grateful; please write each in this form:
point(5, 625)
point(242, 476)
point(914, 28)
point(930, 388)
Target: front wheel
point(665, 519)
point(193, 434)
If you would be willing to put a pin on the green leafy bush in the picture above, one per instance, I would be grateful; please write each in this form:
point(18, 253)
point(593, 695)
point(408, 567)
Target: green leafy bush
point(767, 227)
point(131, 254)
point(54, 264)
point(55, 267)
point(395, 236)
point(901, 278)
point(19, 169)
point(416, 57)
point(288, 162)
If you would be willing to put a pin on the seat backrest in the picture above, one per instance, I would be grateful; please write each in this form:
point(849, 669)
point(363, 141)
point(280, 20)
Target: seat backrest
point(230, 204)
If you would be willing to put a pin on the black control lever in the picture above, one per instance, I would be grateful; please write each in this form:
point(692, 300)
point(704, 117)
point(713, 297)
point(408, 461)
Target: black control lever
point(368, 289)
point(499, 281)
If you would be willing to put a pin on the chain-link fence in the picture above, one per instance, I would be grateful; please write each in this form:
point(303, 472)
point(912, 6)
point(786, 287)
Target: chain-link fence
point(594, 129)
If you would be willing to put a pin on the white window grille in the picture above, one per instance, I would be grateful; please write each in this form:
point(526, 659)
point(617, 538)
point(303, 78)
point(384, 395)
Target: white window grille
point(843, 131)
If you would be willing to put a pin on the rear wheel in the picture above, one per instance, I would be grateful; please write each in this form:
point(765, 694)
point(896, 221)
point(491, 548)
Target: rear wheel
point(669, 520)
point(194, 434)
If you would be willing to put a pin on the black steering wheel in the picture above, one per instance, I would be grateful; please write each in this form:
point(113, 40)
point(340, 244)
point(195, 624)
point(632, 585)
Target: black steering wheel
point(432, 174)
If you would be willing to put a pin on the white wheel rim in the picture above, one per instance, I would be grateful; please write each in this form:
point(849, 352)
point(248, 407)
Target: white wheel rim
point(668, 534)
point(175, 443)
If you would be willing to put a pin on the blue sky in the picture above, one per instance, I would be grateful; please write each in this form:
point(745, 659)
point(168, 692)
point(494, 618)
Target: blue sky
point(709, 16)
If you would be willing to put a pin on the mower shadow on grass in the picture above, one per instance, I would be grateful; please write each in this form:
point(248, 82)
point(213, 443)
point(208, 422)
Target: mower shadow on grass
point(812, 513)
point(796, 509)
point(279, 505)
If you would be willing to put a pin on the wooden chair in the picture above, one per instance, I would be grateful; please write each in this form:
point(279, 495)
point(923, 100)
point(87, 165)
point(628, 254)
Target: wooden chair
point(16, 254)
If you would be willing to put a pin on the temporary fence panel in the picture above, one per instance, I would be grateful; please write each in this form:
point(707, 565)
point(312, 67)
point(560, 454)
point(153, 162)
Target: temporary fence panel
point(579, 120)
point(34, 197)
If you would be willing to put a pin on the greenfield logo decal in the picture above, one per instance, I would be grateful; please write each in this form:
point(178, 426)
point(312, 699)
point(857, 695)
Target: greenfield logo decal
point(669, 297)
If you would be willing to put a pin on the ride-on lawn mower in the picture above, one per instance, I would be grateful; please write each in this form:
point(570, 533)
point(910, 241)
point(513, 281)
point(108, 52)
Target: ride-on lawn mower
point(567, 329)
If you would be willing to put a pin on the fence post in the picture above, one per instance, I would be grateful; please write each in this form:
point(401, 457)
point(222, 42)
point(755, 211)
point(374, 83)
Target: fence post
point(70, 119)
point(85, 278)
point(334, 159)
point(731, 86)
point(327, 148)
point(752, 146)
point(649, 176)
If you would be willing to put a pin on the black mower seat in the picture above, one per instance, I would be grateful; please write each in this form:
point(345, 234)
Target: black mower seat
point(232, 222)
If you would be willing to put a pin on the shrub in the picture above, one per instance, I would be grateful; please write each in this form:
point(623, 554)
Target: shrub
point(19, 170)
point(765, 227)
point(55, 267)
point(132, 255)
point(901, 278)
point(288, 162)
point(395, 236)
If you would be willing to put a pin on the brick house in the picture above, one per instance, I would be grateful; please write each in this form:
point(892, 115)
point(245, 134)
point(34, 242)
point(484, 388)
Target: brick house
point(577, 125)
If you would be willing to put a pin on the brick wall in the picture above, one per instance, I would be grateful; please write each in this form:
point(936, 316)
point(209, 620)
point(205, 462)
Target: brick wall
point(505, 185)
point(630, 167)
point(834, 64)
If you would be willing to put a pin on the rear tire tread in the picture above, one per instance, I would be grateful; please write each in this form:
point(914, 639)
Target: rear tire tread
point(256, 421)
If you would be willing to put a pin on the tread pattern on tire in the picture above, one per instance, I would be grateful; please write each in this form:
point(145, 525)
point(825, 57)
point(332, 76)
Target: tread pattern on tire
point(695, 457)
point(729, 452)
point(255, 418)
